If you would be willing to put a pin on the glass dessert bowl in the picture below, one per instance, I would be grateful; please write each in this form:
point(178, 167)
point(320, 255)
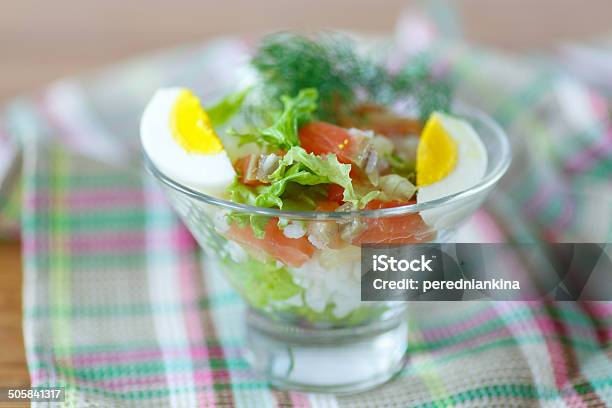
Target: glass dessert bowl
point(307, 328)
point(283, 183)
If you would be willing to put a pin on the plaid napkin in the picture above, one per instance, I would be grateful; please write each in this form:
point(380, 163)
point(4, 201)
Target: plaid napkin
point(120, 310)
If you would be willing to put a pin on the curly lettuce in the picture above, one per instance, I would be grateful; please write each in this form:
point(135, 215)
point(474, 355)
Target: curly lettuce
point(283, 133)
point(297, 167)
point(308, 169)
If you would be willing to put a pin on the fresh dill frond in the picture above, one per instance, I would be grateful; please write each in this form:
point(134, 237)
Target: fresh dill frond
point(343, 77)
point(415, 79)
point(289, 62)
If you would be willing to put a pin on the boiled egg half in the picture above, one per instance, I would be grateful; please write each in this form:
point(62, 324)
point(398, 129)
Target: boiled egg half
point(451, 158)
point(178, 137)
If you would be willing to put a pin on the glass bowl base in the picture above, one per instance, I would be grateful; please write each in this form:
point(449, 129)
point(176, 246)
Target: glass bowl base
point(338, 361)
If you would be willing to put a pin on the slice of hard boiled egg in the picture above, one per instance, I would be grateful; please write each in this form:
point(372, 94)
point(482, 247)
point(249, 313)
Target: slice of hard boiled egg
point(178, 137)
point(451, 158)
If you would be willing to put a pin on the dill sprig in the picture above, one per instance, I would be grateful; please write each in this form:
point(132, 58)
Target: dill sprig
point(416, 80)
point(289, 62)
point(343, 77)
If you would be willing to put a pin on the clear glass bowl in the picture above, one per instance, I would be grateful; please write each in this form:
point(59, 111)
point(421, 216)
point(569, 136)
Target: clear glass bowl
point(307, 328)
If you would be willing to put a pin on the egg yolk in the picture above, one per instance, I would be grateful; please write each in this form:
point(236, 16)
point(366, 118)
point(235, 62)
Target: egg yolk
point(436, 152)
point(191, 126)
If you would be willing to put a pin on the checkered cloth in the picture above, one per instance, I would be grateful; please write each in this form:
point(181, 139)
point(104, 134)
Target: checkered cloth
point(117, 308)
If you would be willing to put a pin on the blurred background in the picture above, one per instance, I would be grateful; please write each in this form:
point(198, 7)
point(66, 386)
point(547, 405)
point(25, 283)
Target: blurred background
point(40, 41)
point(43, 41)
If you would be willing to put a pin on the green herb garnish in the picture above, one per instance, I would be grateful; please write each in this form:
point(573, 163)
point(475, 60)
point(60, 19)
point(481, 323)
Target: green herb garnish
point(283, 133)
point(344, 77)
point(226, 108)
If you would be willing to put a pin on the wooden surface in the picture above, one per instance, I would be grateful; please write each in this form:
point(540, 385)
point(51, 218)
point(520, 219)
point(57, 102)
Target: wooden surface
point(13, 369)
point(42, 41)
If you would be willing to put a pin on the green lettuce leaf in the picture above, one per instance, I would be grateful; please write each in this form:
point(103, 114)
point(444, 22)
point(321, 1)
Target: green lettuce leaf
point(226, 108)
point(283, 134)
point(303, 198)
point(261, 282)
point(243, 194)
point(308, 169)
point(293, 186)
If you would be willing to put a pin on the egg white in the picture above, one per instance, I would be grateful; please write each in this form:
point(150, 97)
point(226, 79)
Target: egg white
point(208, 173)
point(470, 168)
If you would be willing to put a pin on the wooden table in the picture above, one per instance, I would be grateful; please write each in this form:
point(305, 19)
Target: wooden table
point(41, 41)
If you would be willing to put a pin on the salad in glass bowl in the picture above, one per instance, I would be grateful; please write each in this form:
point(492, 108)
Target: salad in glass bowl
point(283, 181)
